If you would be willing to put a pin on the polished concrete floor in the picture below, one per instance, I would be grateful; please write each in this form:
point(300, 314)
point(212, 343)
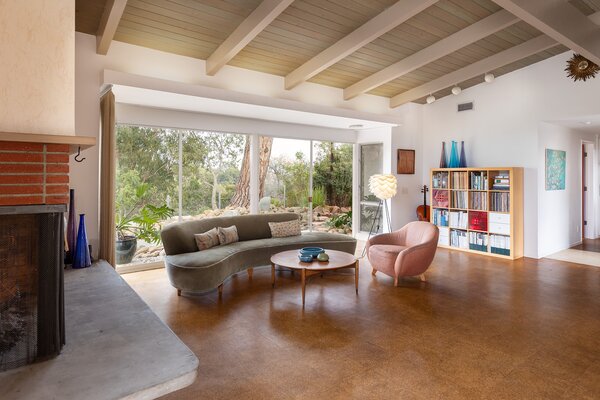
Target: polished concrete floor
point(479, 328)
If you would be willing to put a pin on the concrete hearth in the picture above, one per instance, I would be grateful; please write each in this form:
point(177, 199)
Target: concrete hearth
point(117, 348)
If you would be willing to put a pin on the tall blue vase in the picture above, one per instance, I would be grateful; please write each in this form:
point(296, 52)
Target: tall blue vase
point(82, 257)
point(71, 231)
point(463, 158)
point(454, 162)
point(443, 159)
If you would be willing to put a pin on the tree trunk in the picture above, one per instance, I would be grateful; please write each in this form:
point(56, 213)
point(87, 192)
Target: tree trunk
point(241, 197)
point(266, 143)
point(213, 197)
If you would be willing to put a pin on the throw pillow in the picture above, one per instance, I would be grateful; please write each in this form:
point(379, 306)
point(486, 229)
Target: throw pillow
point(285, 229)
point(207, 240)
point(228, 235)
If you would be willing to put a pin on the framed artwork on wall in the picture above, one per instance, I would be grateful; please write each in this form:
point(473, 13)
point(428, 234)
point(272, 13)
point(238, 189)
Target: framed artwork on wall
point(556, 169)
point(405, 161)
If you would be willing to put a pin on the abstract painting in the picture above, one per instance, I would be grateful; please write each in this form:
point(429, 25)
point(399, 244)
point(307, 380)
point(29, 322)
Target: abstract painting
point(556, 169)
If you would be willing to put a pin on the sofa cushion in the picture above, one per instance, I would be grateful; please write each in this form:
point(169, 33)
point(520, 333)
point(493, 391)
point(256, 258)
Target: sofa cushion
point(228, 235)
point(207, 240)
point(382, 255)
point(285, 229)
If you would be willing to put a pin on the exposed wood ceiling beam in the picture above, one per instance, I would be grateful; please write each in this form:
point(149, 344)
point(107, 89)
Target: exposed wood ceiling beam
point(258, 20)
point(450, 44)
point(375, 27)
point(595, 18)
point(561, 21)
point(480, 67)
point(113, 11)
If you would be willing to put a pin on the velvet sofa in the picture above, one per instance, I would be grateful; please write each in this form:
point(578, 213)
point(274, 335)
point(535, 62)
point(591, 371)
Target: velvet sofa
point(191, 270)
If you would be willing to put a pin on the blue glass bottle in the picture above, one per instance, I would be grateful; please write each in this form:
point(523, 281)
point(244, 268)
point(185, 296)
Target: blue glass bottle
point(463, 158)
point(82, 257)
point(443, 159)
point(454, 162)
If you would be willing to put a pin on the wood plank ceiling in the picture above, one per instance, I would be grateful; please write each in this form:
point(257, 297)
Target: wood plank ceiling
point(196, 28)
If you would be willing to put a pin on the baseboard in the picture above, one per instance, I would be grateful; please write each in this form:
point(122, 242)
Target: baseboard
point(131, 268)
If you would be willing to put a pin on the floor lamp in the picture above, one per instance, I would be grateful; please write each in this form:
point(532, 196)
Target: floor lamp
point(384, 188)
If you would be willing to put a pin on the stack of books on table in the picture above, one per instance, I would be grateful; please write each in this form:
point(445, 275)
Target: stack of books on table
point(501, 182)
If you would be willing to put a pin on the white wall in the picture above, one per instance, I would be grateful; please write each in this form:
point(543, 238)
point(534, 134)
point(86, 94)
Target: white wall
point(37, 66)
point(502, 130)
point(559, 211)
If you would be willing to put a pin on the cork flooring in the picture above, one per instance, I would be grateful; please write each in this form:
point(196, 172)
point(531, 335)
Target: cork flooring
point(479, 328)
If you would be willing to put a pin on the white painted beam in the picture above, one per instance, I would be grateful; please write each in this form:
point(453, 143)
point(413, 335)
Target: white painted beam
point(375, 27)
point(480, 67)
point(595, 18)
point(561, 21)
point(450, 44)
point(113, 11)
point(258, 20)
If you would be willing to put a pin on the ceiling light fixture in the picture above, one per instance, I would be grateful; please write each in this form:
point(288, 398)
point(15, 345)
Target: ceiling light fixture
point(456, 90)
point(430, 99)
point(355, 126)
point(489, 77)
point(588, 122)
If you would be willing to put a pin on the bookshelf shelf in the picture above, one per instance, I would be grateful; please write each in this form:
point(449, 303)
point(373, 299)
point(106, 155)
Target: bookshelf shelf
point(492, 223)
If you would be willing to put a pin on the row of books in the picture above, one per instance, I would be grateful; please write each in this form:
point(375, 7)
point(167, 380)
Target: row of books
point(478, 238)
point(500, 242)
point(460, 199)
point(440, 217)
point(460, 180)
point(459, 219)
point(440, 180)
point(501, 182)
point(459, 239)
point(500, 202)
point(479, 200)
point(479, 181)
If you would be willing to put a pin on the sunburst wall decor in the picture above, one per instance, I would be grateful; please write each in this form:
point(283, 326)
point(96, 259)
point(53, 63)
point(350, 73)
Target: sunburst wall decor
point(580, 68)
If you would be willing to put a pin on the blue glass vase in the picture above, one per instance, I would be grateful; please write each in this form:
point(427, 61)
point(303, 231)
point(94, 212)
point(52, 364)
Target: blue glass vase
point(454, 162)
point(463, 158)
point(82, 257)
point(443, 159)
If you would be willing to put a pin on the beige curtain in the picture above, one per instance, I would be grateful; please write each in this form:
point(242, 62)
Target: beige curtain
point(107, 178)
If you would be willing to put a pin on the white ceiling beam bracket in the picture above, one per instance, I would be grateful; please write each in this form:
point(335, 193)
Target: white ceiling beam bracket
point(371, 30)
point(480, 67)
point(254, 24)
point(450, 44)
point(113, 11)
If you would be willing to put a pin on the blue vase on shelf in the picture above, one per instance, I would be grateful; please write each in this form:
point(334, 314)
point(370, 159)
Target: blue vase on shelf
point(463, 158)
point(454, 162)
point(82, 258)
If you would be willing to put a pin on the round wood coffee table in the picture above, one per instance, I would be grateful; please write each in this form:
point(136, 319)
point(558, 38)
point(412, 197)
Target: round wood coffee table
point(337, 260)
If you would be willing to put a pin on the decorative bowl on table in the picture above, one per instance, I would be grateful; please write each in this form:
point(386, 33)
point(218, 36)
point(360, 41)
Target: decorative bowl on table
point(306, 259)
point(311, 251)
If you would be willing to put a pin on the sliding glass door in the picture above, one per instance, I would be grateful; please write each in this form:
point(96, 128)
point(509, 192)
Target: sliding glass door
point(371, 163)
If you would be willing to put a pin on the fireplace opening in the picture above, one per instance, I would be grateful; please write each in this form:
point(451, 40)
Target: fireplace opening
point(31, 284)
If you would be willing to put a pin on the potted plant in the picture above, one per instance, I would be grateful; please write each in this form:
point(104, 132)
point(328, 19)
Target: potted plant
point(143, 225)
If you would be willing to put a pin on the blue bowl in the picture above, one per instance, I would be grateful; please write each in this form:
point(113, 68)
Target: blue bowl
point(305, 259)
point(311, 251)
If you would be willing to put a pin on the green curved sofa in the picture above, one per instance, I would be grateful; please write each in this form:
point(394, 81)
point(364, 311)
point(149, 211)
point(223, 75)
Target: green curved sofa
point(191, 270)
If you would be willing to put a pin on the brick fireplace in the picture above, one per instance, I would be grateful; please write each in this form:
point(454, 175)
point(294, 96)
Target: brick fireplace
point(34, 192)
point(34, 173)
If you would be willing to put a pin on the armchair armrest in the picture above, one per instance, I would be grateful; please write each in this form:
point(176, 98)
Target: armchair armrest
point(415, 260)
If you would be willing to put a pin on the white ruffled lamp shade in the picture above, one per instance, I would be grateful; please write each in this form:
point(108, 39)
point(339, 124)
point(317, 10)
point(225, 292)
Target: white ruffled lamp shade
point(383, 186)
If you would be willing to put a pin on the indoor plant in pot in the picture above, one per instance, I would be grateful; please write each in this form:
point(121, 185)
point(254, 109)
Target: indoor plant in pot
point(144, 225)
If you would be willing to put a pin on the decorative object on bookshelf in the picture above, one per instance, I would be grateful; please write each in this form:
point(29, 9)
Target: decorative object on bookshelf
point(462, 163)
point(405, 162)
point(454, 162)
point(443, 158)
point(556, 163)
point(580, 68)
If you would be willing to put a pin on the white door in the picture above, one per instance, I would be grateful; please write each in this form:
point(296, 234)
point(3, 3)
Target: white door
point(588, 182)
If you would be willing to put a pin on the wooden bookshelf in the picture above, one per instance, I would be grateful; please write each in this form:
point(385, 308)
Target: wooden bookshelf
point(479, 210)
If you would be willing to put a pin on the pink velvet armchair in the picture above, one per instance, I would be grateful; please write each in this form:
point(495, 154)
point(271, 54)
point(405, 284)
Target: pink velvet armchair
point(405, 252)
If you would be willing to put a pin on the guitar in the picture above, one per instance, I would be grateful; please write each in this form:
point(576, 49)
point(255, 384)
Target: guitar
point(423, 210)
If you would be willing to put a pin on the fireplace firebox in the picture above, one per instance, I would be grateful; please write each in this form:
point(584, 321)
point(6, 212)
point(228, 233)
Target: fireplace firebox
point(31, 284)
